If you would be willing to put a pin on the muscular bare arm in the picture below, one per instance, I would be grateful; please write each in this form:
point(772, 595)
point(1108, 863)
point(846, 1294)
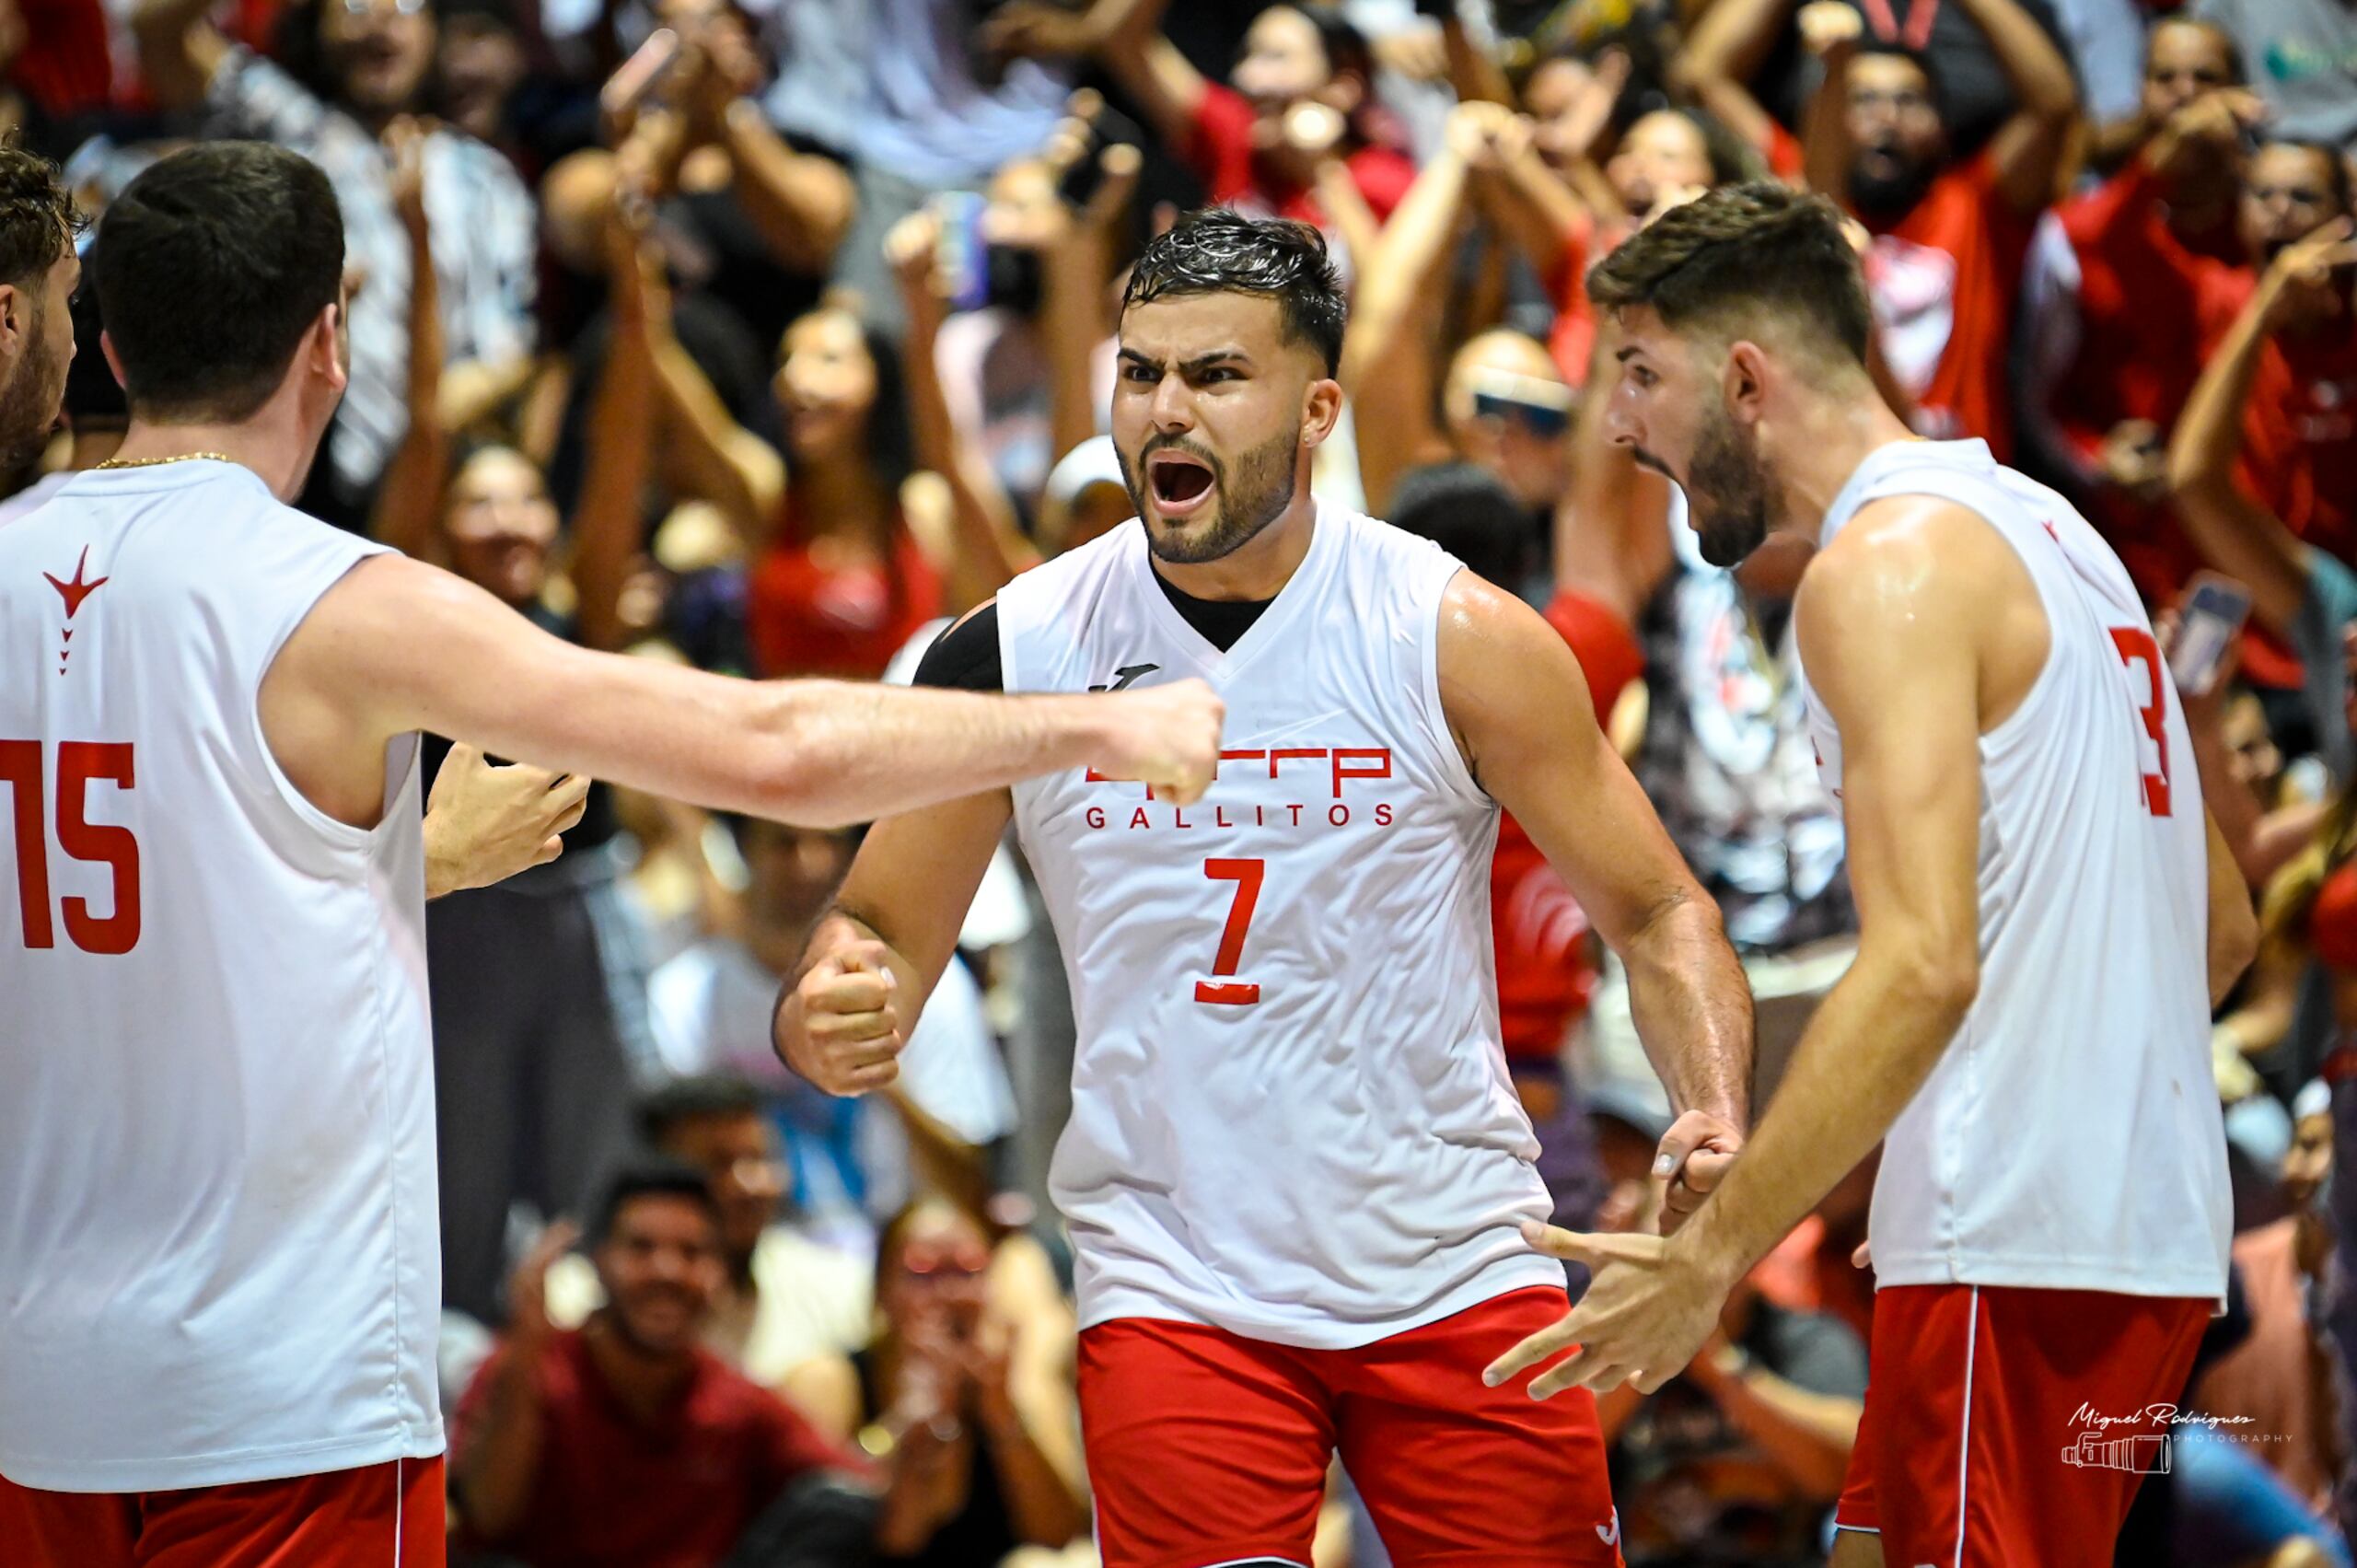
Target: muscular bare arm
point(397, 647)
point(1893, 644)
point(1519, 706)
point(876, 955)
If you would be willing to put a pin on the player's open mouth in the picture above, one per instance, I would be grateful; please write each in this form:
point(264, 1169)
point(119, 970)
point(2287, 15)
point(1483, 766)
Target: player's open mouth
point(1180, 484)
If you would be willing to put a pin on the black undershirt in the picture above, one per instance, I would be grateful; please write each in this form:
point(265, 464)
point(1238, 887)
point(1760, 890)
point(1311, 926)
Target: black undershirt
point(965, 658)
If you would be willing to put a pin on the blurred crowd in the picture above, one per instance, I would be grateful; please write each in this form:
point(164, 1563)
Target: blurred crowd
point(766, 335)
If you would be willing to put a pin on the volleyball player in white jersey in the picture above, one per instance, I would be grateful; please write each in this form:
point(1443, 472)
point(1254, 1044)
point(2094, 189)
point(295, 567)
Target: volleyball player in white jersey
point(2046, 920)
point(219, 1279)
point(1296, 1169)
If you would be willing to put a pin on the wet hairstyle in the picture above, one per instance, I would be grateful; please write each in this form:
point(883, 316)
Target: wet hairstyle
point(1739, 259)
point(37, 216)
point(1213, 251)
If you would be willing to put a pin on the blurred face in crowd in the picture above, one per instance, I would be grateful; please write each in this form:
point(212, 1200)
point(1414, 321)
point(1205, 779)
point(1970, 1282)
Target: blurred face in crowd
point(1669, 408)
point(1895, 125)
point(1664, 152)
point(825, 385)
point(792, 871)
point(481, 62)
point(501, 525)
point(1284, 62)
point(1550, 96)
point(37, 318)
point(2287, 195)
point(739, 1150)
point(377, 52)
point(936, 1269)
point(1209, 411)
point(661, 1268)
point(1526, 449)
point(2257, 761)
point(2183, 59)
point(2310, 1160)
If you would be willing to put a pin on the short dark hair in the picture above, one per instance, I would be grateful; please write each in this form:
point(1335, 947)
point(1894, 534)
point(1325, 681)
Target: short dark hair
point(92, 394)
point(686, 1100)
point(37, 216)
point(1213, 251)
point(1739, 257)
point(212, 265)
point(651, 1178)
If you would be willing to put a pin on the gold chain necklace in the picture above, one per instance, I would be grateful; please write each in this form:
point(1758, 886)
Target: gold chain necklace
point(180, 457)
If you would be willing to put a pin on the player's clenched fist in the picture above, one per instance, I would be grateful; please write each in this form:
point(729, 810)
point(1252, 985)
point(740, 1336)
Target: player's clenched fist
point(1165, 735)
point(840, 1026)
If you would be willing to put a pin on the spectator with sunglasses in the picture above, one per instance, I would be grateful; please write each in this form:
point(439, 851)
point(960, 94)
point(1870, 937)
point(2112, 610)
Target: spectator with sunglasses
point(965, 1391)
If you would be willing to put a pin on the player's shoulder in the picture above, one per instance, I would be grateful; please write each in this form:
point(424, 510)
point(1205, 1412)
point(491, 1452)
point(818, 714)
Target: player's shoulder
point(1055, 581)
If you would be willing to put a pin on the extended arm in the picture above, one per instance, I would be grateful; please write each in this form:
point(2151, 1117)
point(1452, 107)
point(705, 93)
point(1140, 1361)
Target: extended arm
point(2028, 148)
point(2239, 536)
point(397, 647)
point(608, 524)
point(1388, 352)
point(876, 958)
point(409, 502)
point(2234, 921)
point(1519, 706)
point(801, 203)
point(1728, 45)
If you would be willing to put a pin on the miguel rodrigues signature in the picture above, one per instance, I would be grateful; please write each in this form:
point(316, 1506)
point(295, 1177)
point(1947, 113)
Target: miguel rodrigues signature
point(2157, 1415)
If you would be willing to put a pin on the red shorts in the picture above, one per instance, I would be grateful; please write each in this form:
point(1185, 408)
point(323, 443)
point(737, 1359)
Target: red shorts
point(388, 1516)
point(1207, 1448)
point(2011, 1426)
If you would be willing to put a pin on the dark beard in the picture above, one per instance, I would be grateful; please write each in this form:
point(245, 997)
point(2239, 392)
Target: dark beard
point(1727, 493)
point(28, 405)
point(1888, 195)
point(1263, 489)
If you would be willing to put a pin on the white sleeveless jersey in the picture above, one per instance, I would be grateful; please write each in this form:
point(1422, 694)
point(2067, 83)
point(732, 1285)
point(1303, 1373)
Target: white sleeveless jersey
point(218, 1257)
point(1290, 1114)
point(2070, 1137)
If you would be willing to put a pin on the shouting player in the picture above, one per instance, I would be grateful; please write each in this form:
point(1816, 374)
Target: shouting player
point(2045, 922)
point(219, 1279)
point(1296, 1169)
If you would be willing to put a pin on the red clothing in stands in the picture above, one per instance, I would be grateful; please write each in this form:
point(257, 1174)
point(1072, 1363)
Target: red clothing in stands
point(1545, 968)
point(675, 1492)
point(1221, 155)
point(2139, 351)
point(808, 619)
point(1944, 276)
point(65, 67)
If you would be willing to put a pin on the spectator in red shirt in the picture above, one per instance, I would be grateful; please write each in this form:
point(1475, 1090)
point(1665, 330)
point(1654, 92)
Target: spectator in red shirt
point(2115, 335)
point(1293, 131)
point(625, 1443)
point(1948, 235)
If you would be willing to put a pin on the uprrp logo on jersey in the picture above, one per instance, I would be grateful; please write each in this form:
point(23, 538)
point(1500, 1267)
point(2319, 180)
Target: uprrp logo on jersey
point(1297, 766)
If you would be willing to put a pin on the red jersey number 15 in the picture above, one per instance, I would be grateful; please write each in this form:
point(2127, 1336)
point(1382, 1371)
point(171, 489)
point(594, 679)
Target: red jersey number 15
point(80, 763)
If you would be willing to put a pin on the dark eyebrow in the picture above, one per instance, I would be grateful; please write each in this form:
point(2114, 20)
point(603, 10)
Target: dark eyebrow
point(1196, 365)
point(1622, 354)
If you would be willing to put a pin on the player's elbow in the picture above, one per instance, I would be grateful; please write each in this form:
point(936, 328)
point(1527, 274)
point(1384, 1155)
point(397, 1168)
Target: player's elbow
point(794, 763)
point(1941, 980)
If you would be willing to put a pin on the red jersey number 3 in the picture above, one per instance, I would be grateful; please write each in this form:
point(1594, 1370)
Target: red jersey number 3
point(80, 763)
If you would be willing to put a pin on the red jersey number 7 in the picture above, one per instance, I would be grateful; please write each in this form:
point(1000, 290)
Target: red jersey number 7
point(1225, 992)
